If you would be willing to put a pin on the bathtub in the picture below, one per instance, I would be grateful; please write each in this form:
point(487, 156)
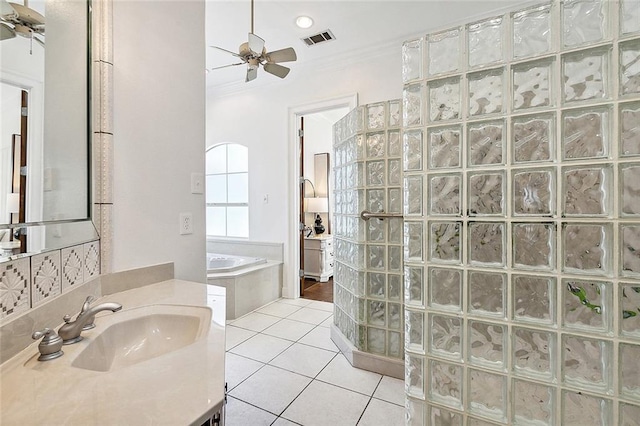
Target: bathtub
point(251, 282)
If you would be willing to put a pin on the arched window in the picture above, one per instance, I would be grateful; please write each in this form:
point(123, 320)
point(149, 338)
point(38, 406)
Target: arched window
point(227, 191)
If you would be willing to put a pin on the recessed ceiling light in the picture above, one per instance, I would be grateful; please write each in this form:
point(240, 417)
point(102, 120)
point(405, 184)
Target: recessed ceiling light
point(304, 22)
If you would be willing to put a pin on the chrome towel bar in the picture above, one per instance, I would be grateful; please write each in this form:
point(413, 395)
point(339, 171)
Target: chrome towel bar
point(366, 215)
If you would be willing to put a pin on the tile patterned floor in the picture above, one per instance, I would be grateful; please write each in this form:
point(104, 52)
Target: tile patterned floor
point(283, 369)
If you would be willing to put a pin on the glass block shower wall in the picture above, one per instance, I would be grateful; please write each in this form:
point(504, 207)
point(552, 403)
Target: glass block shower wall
point(368, 307)
point(522, 218)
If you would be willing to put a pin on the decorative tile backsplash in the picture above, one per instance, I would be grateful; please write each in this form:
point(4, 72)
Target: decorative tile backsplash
point(30, 281)
point(522, 218)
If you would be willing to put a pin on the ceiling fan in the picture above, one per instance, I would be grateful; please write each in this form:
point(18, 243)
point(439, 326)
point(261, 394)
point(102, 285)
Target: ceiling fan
point(18, 19)
point(254, 54)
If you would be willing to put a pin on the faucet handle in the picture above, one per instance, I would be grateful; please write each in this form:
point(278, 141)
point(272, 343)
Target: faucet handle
point(86, 303)
point(51, 345)
point(85, 306)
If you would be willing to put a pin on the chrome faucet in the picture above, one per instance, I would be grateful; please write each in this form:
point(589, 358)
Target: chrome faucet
point(70, 331)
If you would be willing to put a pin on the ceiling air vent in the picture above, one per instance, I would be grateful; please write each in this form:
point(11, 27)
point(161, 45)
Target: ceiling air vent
point(322, 37)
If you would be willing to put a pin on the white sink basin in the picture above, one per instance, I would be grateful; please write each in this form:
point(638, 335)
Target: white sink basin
point(140, 334)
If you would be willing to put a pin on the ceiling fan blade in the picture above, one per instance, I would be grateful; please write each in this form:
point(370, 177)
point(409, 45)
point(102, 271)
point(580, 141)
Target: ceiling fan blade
point(252, 73)
point(282, 55)
point(226, 66)
point(277, 70)
point(6, 11)
point(6, 32)
point(27, 15)
point(256, 44)
point(228, 51)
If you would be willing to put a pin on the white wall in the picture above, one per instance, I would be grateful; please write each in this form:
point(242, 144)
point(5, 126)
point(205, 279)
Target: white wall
point(159, 134)
point(259, 118)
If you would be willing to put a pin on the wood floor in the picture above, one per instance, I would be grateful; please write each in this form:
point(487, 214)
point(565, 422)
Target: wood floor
point(315, 290)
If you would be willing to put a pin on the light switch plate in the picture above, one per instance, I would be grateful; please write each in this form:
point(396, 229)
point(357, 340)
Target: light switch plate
point(197, 183)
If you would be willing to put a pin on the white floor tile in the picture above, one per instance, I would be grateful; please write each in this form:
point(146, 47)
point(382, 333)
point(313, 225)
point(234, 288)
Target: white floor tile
point(242, 414)
point(284, 422)
point(340, 373)
point(261, 347)
point(278, 309)
point(303, 359)
point(288, 329)
point(391, 390)
point(327, 323)
point(234, 336)
point(322, 404)
point(271, 389)
point(296, 302)
point(382, 413)
point(255, 321)
point(320, 337)
point(323, 306)
point(238, 368)
point(311, 316)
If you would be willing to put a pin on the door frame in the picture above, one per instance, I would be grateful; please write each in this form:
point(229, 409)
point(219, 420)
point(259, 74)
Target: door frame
point(291, 281)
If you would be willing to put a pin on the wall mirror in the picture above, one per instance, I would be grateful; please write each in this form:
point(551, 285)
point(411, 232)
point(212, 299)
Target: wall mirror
point(45, 125)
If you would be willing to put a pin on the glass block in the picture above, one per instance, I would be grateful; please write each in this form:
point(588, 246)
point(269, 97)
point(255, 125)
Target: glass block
point(376, 313)
point(585, 133)
point(412, 150)
point(445, 384)
point(414, 414)
point(487, 292)
point(532, 84)
point(487, 344)
point(395, 287)
point(394, 114)
point(445, 194)
point(629, 303)
point(414, 376)
point(445, 336)
point(444, 147)
point(478, 422)
point(413, 233)
point(587, 363)
point(534, 299)
point(533, 245)
point(395, 201)
point(486, 243)
point(587, 191)
point(629, 413)
point(376, 256)
point(394, 263)
point(583, 21)
point(533, 138)
point(488, 395)
point(630, 249)
point(414, 331)
point(486, 194)
point(375, 230)
point(533, 353)
point(629, 16)
point(531, 31)
point(414, 293)
point(412, 105)
point(375, 173)
point(587, 248)
point(444, 99)
point(587, 305)
point(485, 92)
point(394, 170)
point(375, 117)
point(394, 316)
point(630, 67)
point(376, 284)
point(584, 75)
point(444, 51)
point(376, 144)
point(533, 403)
point(395, 230)
point(376, 201)
point(445, 289)
point(485, 42)
point(395, 346)
point(585, 410)
point(413, 195)
point(485, 143)
point(630, 129)
point(444, 240)
point(412, 60)
point(534, 192)
point(629, 372)
point(441, 417)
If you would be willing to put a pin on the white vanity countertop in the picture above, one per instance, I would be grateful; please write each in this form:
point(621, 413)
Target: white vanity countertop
point(178, 388)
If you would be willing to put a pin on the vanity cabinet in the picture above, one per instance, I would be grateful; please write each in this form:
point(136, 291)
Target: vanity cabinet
point(318, 257)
